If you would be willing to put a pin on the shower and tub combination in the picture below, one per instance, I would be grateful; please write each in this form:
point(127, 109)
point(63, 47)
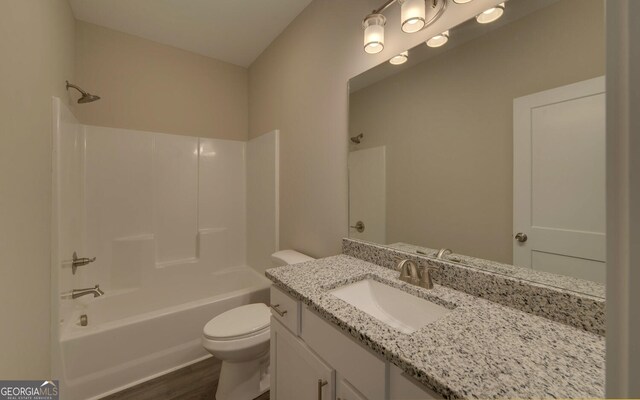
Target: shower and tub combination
point(173, 223)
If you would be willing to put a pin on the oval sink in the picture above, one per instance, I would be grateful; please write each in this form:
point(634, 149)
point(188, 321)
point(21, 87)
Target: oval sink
point(394, 307)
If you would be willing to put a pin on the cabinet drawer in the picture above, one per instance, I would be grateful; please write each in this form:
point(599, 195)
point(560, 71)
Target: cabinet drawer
point(285, 309)
point(364, 370)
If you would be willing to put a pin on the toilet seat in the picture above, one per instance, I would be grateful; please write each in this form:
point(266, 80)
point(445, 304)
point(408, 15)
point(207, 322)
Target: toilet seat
point(239, 323)
point(240, 334)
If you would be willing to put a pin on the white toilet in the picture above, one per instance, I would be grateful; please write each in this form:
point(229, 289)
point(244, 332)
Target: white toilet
point(240, 338)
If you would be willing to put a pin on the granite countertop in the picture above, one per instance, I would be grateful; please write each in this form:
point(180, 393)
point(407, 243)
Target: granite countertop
point(478, 350)
point(565, 282)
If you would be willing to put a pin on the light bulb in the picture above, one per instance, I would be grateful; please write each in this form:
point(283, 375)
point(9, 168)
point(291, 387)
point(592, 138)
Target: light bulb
point(400, 58)
point(438, 40)
point(373, 26)
point(412, 15)
point(491, 14)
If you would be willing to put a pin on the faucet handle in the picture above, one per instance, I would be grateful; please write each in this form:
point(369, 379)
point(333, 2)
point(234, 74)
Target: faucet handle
point(426, 280)
point(99, 292)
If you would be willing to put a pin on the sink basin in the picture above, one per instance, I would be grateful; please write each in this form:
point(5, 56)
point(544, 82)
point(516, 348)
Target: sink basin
point(394, 307)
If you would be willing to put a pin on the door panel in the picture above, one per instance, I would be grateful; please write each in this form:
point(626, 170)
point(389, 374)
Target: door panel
point(296, 370)
point(571, 266)
point(367, 194)
point(559, 180)
point(348, 392)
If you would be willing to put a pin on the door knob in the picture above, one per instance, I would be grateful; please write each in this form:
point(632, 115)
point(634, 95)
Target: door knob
point(521, 237)
point(359, 226)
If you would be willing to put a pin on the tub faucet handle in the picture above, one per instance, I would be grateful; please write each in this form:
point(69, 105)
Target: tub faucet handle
point(75, 293)
point(80, 262)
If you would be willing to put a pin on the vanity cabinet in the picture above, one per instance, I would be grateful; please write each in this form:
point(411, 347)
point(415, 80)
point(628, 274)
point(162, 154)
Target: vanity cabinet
point(296, 372)
point(307, 351)
point(347, 392)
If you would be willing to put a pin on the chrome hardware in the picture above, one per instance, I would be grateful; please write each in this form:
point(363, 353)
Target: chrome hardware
point(411, 273)
point(357, 139)
point(321, 383)
point(75, 293)
point(443, 252)
point(426, 280)
point(408, 271)
point(274, 307)
point(84, 320)
point(80, 262)
point(359, 226)
point(521, 237)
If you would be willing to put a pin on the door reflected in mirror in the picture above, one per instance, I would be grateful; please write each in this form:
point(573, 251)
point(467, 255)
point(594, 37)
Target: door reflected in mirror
point(491, 145)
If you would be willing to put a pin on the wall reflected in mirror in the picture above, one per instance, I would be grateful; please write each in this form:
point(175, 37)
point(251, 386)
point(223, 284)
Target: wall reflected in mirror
point(491, 145)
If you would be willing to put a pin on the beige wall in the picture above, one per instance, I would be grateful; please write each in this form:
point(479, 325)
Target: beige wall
point(299, 85)
point(448, 126)
point(153, 87)
point(37, 47)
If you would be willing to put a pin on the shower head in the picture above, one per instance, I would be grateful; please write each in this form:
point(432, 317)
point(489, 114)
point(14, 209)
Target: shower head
point(86, 97)
point(356, 139)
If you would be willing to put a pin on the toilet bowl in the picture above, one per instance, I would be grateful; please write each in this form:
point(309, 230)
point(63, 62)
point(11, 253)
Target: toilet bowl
point(240, 338)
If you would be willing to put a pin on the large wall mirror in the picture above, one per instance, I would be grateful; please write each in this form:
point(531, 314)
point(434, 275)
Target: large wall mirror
point(491, 145)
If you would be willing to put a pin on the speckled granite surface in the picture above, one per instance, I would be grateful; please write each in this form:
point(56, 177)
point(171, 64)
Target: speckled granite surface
point(560, 281)
point(479, 350)
point(569, 307)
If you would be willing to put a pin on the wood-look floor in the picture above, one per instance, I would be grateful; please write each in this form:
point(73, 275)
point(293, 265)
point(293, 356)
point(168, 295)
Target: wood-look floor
point(195, 382)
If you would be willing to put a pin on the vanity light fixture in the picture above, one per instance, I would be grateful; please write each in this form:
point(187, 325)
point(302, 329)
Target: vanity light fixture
point(415, 16)
point(412, 15)
point(438, 40)
point(462, 1)
point(400, 58)
point(491, 14)
point(373, 26)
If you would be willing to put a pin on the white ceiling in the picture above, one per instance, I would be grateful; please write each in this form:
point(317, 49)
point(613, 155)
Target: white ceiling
point(235, 31)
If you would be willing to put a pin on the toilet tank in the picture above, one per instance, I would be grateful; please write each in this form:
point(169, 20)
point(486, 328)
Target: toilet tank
point(288, 257)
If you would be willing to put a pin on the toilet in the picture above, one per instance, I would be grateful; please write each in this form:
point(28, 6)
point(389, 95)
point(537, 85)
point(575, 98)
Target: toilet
point(240, 338)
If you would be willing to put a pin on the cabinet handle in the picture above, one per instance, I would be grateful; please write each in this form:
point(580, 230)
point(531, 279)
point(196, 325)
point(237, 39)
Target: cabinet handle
point(321, 383)
point(275, 308)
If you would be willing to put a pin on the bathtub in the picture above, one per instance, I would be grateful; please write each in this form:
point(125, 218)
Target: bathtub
point(136, 335)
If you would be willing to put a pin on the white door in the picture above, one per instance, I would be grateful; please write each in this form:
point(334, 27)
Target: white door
point(559, 180)
point(367, 195)
point(296, 372)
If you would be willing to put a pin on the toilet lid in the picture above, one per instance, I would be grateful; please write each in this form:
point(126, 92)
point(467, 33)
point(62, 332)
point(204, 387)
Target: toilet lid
point(238, 322)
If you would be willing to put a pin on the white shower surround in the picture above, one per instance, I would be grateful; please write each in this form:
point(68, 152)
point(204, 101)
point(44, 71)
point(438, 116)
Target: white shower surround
point(166, 217)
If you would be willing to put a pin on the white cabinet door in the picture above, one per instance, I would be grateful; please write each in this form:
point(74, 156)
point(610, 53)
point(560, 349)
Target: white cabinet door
point(297, 373)
point(347, 392)
point(559, 180)
point(352, 361)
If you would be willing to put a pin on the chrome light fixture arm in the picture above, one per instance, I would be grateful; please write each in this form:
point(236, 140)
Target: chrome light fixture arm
point(383, 7)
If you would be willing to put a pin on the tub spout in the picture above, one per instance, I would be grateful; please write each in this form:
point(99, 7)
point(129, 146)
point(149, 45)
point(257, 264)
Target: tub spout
point(75, 293)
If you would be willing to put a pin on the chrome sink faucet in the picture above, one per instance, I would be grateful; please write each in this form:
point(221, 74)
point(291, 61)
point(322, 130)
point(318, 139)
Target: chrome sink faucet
point(411, 273)
point(443, 252)
point(75, 293)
